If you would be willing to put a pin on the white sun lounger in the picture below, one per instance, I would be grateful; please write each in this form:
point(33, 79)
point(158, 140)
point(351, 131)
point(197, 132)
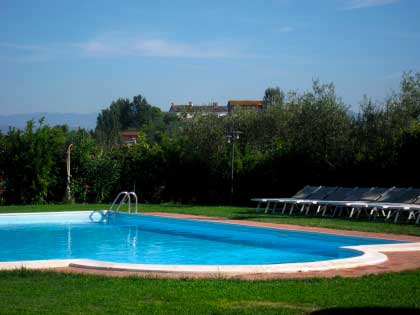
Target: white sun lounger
point(333, 200)
point(342, 198)
point(301, 194)
point(366, 200)
point(408, 201)
point(373, 202)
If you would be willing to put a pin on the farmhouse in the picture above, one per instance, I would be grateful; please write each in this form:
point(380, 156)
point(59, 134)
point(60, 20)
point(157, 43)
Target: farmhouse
point(190, 110)
point(129, 137)
point(234, 105)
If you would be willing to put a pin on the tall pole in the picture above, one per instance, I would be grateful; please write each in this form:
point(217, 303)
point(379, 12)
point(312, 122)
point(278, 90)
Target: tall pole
point(68, 197)
point(232, 165)
point(232, 137)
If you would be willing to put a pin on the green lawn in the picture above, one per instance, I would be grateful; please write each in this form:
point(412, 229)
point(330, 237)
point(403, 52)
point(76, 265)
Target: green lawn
point(30, 292)
point(36, 292)
point(239, 214)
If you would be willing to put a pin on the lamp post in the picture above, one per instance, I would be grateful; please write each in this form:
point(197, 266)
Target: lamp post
point(232, 137)
point(68, 191)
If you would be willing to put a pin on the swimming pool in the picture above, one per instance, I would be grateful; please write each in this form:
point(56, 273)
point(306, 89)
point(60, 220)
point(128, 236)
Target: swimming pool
point(140, 239)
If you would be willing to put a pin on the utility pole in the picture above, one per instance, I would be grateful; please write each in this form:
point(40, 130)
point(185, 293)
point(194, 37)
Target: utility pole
point(232, 137)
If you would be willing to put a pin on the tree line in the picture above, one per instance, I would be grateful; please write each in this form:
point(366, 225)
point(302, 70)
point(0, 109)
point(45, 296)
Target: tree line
point(309, 138)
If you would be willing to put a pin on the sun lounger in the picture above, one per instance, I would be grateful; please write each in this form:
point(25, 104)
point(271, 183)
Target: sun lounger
point(305, 192)
point(370, 202)
point(391, 196)
point(332, 200)
point(362, 205)
point(355, 199)
point(406, 202)
point(393, 201)
point(319, 194)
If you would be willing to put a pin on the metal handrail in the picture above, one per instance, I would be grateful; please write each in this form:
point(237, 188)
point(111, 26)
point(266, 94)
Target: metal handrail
point(132, 193)
point(125, 196)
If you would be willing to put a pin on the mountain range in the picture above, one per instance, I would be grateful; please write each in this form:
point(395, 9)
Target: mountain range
point(73, 120)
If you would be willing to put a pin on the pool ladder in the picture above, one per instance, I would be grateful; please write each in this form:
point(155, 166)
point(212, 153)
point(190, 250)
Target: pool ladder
point(121, 199)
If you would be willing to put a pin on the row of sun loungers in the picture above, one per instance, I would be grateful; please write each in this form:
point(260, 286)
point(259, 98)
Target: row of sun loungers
point(387, 203)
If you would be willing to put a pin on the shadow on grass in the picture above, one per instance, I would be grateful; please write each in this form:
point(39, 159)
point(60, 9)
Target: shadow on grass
point(246, 215)
point(367, 311)
point(175, 205)
point(251, 214)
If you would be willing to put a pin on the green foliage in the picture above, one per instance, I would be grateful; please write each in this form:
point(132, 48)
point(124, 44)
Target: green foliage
point(95, 171)
point(30, 161)
point(103, 173)
point(298, 139)
point(124, 114)
point(83, 151)
point(318, 127)
point(410, 96)
point(273, 97)
point(141, 169)
point(110, 122)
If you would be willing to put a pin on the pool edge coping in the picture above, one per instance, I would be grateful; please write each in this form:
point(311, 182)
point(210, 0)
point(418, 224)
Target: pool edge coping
point(372, 255)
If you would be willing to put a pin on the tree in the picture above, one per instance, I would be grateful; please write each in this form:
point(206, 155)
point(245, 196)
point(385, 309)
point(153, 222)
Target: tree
point(273, 97)
point(103, 175)
point(112, 120)
point(124, 114)
point(142, 169)
point(304, 138)
point(410, 94)
point(143, 113)
point(318, 130)
point(33, 163)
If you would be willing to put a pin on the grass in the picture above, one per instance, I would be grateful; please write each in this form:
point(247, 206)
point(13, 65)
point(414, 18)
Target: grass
point(30, 292)
point(238, 213)
point(40, 292)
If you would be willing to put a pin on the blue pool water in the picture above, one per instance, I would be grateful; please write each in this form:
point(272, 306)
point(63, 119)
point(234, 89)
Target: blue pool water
point(147, 239)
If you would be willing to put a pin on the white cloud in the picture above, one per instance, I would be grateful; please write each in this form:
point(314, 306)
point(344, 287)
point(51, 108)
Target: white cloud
point(12, 52)
point(286, 29)
point(22, 47)
point(116, 44)
point(392, 76)
point(360, 4)
point(108, 46)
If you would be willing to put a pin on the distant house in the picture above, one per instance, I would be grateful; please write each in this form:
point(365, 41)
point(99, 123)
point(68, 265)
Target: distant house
point(190, 110)
point(129, 137)
point(234, 105)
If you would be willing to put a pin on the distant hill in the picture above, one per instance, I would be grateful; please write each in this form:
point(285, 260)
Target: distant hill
point(73, 120)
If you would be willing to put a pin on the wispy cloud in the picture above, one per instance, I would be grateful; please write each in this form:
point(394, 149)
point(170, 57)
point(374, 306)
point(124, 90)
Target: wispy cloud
point(361, 4)
point(118, 45)
point(392, 76)
point(12, 46)
point(114, 45)
point(286, 29)
point(23, 59)
point(12, 52)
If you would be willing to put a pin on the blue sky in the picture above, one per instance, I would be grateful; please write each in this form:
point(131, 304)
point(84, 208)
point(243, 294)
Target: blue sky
point(78, 56)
